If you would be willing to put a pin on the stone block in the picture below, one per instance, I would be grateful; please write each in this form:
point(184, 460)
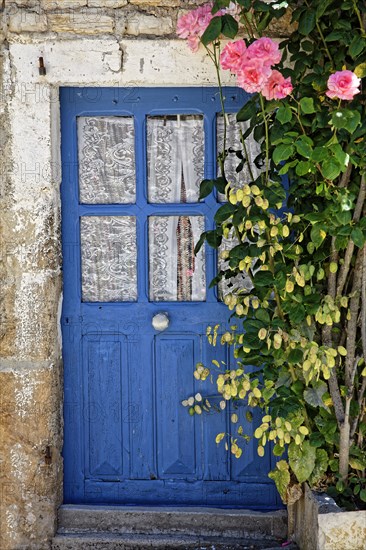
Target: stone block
point(27, 21)
point(106, 3)
point(138, 23)
point(316, 522)
point(50, 5)
point(161, 3)
point(26, 3)
point(86, 22)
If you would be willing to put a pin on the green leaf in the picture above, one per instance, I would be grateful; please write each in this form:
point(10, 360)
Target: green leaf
point(363, 495)
point(246, 112)
point(262, 315)
point(302, 460)
point(327, 428)
point(322, 8)
point(278, 450)
point(330, 169)
point(200, 242)
point(314, 395)
point(358, 44)
point(213, 239)
point(224, 212)
point(357, 463)
point(335, 36)
point(229, 26)
point(319, 154)
point(281, 477)
point(213, 31)
point(252, 341)
point(307, 105)
point(206, 188)
point(263, 278)
point(358, 237)
point(341, 156)
point(316, 439)
point(284, 113)
point(282, 152)
point(304, 147)
point(317, 235)
point(218, 4)
point(220, 184)
point(307, 22)
point(295, 356)
point(347, 119)
point(321, 465)
point(303, 168)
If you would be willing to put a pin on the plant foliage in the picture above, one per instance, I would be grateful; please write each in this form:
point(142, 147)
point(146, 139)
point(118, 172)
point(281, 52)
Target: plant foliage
point(302, 325)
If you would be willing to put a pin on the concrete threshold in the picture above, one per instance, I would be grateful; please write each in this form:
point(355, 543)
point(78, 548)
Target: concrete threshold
point(108, 541)
point(190, 528)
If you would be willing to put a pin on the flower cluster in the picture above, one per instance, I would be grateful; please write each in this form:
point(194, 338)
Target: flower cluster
point(253, 67)
point(193, 24)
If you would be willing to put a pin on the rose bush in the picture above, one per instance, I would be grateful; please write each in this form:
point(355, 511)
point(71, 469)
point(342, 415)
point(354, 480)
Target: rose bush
point(302, 325)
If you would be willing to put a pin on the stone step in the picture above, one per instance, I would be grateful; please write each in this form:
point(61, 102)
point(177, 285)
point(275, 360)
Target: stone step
point(111, 541)
point(172, 521)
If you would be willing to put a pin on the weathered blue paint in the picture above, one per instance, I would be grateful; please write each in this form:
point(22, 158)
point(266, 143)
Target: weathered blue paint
point(127, 437)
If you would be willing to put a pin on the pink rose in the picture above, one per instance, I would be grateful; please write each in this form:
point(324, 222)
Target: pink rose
point(193, 24)
point(253, 75)
point(266, 50)
point(233, 56)
point(276, 87)
point(343, 84)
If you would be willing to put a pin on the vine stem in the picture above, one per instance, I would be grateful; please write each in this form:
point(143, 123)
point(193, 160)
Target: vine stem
point(322, 38)
point(266, 129)
point(358, 13)
point(246, 155)
point(216, 60)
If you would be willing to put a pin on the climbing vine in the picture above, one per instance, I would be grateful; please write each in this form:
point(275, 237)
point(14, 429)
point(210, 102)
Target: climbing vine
point(299, 333)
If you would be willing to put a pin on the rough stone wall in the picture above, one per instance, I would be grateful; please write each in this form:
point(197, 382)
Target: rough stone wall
point(95, 17)
point(104, 42)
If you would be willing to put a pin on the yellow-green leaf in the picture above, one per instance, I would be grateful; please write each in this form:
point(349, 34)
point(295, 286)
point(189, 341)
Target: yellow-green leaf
point(360, 70)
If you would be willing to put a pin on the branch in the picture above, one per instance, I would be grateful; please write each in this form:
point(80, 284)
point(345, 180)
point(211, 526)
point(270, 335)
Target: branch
point(333, 381)
point(344, 181)
point(332, 277)
point(363, 305)
point(328, 341)
point(351, 328)
point(350, 247)
point(336, 397)
point(360, 399)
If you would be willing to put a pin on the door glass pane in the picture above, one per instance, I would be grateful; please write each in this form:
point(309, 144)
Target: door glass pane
point(176, 274)
point(108, 258)
point(234, 144)
point(106, 147)
point(175, 158)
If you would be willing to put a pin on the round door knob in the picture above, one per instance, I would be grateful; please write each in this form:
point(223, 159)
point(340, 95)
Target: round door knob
point(160, 321)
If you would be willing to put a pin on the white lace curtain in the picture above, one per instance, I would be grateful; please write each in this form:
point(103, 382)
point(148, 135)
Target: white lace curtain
point(175, 169)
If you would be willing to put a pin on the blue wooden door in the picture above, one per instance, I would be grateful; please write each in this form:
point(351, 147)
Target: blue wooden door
point(137, 302)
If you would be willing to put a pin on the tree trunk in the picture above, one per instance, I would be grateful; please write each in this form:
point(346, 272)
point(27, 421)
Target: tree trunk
point(344, 444)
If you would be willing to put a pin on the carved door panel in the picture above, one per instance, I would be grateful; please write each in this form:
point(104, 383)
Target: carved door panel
point(137, 302)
